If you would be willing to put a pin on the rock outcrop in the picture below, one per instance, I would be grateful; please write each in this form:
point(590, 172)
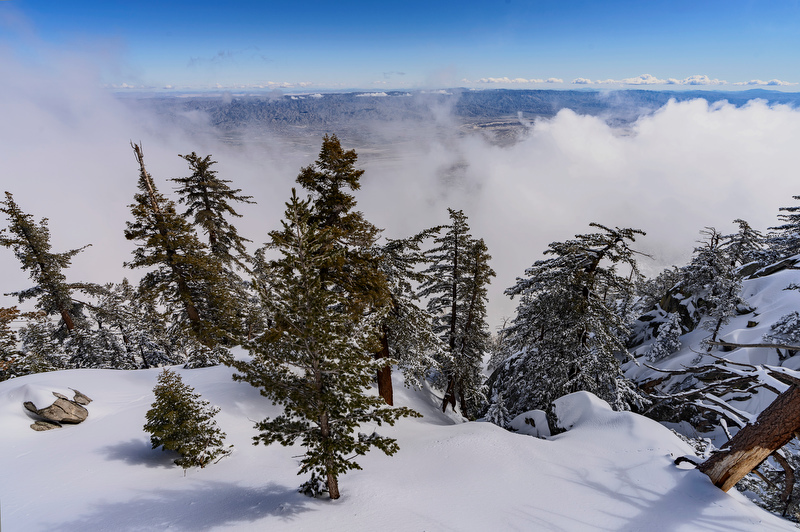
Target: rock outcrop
point(63, 410)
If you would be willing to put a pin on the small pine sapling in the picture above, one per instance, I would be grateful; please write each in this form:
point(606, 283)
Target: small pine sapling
point(180, 421)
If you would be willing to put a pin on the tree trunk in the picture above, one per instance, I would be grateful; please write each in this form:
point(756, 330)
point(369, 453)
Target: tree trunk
point(773, 429)
point(450, 395)
point(385, 374)
point(333, 485)
point(67, 320)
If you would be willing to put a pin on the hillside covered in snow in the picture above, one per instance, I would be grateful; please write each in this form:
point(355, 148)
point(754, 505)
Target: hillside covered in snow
point(609, 471)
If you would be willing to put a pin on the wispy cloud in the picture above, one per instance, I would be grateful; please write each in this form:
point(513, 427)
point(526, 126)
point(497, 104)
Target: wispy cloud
point(696, 80)
point(517, 81)
point(772, 82)
point(229, 56)
point(648, 79)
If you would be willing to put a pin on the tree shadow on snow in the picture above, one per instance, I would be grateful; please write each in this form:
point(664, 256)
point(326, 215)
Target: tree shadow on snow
point(204, 507)
point(140, 452)
point(691, 502)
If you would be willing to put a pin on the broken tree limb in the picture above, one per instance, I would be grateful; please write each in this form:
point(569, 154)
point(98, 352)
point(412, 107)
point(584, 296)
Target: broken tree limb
point(768, 346)
point(773, 429)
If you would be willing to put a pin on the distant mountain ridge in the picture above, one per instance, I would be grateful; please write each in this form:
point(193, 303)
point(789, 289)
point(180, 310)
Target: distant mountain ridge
point(499, 112)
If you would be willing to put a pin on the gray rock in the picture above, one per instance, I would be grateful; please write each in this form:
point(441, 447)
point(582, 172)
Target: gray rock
point(61, 411)
point(41, 426)
point(80, 398)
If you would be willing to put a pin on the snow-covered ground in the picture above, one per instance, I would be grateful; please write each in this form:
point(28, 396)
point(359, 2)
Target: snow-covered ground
point(610, 471)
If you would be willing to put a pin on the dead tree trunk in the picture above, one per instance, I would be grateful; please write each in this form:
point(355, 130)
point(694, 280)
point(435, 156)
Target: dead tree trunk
point(773, 429)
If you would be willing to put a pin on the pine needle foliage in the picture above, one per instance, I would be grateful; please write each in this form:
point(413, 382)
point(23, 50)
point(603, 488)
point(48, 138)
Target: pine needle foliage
point(180, 421)
point(208, 200)
point(456, 288)
point(567, 329)
point(31, 245)
point(181, 273)
point(312, 359)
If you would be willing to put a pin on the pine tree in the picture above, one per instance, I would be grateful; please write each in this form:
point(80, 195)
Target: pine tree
point(208, 202)
point(31, 244)
point(9, 350)
point(182, 274)
point(668, 338)
point(407, 332)
point(456, 287)
point(140, 325)
point(567, 332)
point(744, 246)
point(180, 421)
point(497, 412)
point(713, 281)
point(784, 240)
point(357, 269)
point(311, 359)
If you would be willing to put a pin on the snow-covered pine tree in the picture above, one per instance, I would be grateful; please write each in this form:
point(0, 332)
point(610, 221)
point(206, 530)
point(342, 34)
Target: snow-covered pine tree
point(312, 359)
point(179, 420)
point(784, 240)
point(667, 339)
point(407, 335)
point(139, 323)
point(457, 290)
point(497, 412)
point(566, 333)
point(10, 354)
point(744, 246)
point(713, 281)
point(182, 274)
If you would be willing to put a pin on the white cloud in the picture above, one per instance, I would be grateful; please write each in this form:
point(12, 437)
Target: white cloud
point(648, 79)
point(644, 79)
point(772, 82)
point(515, 81)
point(701, 80)
point(371, 95)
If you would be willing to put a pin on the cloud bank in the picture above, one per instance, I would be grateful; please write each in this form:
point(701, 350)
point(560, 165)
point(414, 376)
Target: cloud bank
point(65, 154)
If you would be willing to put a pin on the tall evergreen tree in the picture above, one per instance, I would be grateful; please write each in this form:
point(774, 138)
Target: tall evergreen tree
point(356, 269)
point(182, 274)
point(407, 334)
point(567, 332)
point(31, 244)
point(456, 287)
point(208, 201)
point(311, 359)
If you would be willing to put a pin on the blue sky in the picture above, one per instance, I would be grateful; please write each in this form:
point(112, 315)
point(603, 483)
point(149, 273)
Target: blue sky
point(415, 44)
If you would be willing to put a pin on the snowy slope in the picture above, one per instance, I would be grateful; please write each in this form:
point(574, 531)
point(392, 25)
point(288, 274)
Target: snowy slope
point(610, 471)
point(769, 299)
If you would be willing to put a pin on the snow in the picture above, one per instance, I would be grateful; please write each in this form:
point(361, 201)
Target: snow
point(610, 471)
